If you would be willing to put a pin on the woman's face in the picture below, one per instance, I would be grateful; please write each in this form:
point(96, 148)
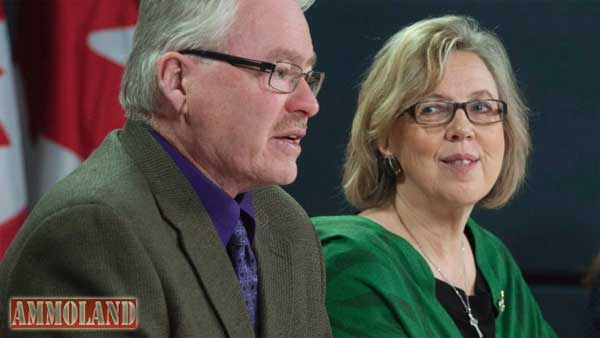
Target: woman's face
point(457, 163)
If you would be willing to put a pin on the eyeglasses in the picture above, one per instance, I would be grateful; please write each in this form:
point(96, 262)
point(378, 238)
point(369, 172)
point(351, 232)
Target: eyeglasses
point(442, 112)
point(283, 76)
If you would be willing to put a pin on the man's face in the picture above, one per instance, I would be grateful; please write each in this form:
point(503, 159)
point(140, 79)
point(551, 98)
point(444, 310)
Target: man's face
point(239, 130)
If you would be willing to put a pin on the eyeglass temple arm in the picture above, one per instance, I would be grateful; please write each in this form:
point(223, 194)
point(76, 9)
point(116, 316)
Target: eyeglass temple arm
point(234, 60)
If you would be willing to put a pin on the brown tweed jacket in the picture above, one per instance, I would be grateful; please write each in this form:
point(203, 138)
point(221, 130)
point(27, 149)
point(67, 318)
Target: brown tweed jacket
point(127, 223)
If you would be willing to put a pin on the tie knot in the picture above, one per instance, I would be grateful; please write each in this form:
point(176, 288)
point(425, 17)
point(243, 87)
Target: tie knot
point(240, 236)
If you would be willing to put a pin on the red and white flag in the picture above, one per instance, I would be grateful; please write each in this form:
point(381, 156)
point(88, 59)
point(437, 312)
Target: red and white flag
point(13, 195)
point(71, 56)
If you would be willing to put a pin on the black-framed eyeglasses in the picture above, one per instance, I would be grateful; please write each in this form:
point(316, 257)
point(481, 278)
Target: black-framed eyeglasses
point(283, 76)
point(480, 112)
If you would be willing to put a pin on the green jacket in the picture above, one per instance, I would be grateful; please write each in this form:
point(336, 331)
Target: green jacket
point(379, 286)
point(128, 223)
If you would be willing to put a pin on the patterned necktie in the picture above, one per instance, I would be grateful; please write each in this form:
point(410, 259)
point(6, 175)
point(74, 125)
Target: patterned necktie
point(244, 264)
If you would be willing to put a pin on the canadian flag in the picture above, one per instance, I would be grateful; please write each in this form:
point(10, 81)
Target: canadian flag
point(71, 55)
point(13, 198)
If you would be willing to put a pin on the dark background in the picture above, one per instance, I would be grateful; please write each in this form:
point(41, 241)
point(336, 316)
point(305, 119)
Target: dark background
point(551, 226)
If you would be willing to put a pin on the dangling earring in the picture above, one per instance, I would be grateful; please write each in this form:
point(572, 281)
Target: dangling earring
point(392, 165)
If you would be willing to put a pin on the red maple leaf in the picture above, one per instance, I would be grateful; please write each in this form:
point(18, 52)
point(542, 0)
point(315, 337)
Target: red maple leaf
point(3, 137)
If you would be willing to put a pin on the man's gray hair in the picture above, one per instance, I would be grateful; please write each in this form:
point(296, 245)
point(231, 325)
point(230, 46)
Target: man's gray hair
point(165, 25)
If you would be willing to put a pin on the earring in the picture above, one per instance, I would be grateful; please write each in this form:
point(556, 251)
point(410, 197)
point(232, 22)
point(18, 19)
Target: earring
point(392, 165)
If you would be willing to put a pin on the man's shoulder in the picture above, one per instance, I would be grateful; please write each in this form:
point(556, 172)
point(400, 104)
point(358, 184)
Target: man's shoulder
point(108, 176)
point(274, 195)
point(282, 214)
point(108, 195)
point(107, 183)
point(276, 202)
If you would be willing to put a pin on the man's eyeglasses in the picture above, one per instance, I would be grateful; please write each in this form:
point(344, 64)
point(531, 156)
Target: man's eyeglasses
point(283, 76)
point(442, 112)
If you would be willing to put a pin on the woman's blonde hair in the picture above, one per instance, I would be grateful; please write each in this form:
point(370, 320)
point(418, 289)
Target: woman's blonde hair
point(408, 67)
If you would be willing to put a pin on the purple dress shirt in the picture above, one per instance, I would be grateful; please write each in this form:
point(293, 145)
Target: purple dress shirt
point(225, 213)
point(223, 210)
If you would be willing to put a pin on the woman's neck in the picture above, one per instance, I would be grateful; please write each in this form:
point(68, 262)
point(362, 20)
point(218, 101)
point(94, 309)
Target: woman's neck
point(436, 232)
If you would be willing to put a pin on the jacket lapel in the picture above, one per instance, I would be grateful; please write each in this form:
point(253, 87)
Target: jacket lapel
point(273, 253)
point(182, 209)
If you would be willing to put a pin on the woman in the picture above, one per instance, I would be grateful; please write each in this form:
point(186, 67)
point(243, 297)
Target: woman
point(440, 128)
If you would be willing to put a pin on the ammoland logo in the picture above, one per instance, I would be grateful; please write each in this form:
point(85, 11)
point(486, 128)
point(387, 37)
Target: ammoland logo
point(79, 313)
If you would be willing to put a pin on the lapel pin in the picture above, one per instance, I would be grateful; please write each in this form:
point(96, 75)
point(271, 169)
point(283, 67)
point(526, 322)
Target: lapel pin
point(501, 303)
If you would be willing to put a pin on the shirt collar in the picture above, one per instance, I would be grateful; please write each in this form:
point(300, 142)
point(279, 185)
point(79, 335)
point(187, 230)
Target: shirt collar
point(223, 210)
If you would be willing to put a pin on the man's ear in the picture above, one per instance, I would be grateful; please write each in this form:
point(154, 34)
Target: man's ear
point(170, 69)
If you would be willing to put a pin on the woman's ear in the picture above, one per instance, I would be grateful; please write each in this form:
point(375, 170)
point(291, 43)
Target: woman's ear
point(170, 70)
point(384, 147)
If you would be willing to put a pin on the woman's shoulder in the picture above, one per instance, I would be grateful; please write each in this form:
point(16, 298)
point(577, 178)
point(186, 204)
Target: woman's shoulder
point(359, 248)
point(348, 229)
point(339, 219)
point(353, 237)
point(492, 255)
point(341, 223)
point(486, 240)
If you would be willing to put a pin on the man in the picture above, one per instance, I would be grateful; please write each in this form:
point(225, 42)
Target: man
point(181, 209)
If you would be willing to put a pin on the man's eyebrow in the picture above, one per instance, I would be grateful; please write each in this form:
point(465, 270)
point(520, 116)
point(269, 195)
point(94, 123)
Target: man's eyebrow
point(283, 54)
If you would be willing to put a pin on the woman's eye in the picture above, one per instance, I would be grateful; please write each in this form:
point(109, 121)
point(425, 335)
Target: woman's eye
point(480, 107)
point(432, 109)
